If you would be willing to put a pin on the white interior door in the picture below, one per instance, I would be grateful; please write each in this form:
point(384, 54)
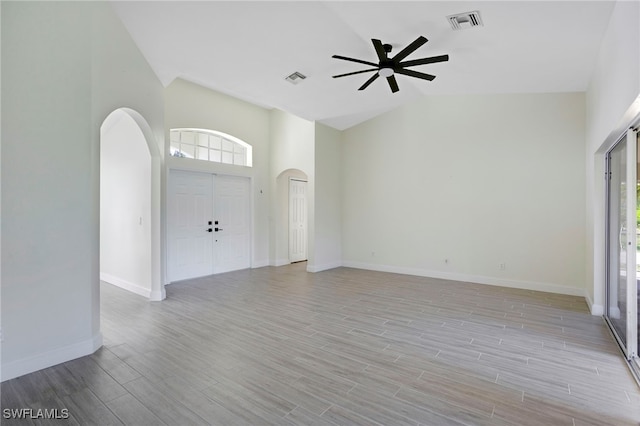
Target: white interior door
point(297, 220)
point(232, 245)
point(189, 212)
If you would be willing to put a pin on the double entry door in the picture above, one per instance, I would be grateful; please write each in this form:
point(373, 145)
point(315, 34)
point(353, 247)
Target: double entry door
point(623, 254)
point(209, 226)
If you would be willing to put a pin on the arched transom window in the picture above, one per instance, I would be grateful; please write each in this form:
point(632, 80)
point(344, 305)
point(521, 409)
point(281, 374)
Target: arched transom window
point(209, 145)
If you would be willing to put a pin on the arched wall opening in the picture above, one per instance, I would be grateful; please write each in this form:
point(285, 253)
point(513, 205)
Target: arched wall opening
point(130, 181)
point(282, 214)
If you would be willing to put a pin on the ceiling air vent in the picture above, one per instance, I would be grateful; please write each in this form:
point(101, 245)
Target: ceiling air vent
point(295, 78)
point(465, 20)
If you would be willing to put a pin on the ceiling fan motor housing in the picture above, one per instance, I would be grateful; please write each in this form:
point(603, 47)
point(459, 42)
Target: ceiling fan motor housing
point(385, 71)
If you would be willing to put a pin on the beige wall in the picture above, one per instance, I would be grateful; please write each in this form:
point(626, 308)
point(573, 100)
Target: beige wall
point(292, 150)
point(328, 198)
point(66, 67)
point(454, 186)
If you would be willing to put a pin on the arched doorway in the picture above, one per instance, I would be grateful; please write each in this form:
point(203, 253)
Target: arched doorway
point(130, 169)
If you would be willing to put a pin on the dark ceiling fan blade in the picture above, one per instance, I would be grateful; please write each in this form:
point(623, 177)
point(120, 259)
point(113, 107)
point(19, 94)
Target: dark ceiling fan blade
point(377, 44)
point(360, 61)
point(424, 61)
point(409, 49)
point(416, 74)
point(355, 72)
point(368, 82)
point(393, 84)
point(386, 67)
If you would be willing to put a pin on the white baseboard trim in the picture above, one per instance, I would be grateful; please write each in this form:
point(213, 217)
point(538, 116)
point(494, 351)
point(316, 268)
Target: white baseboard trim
point(119, 282)
point(282, 262)
point(157, 296)
point(47, 359)
point(260, 264)
point(324, 267)
point(477, 279)
point(596, 310)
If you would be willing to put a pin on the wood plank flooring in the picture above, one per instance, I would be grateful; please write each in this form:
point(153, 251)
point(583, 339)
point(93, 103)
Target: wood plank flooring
point(341, 347)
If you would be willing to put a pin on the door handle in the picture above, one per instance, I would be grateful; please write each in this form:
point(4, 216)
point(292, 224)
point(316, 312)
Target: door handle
point(218, 229)
point(209, 230)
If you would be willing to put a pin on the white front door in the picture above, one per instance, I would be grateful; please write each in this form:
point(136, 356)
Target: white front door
point(190, 210)
point(209, 227)
point(232, 245)
point(297, 220)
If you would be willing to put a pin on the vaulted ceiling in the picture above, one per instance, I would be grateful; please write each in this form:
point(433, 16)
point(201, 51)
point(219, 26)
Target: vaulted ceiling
point(246, 49)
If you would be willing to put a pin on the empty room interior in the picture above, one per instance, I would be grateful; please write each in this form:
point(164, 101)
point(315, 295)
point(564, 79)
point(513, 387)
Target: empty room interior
point(320, 212)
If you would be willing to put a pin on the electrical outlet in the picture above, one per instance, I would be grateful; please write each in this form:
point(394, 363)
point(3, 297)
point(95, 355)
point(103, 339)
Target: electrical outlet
point(373, 254)
point(502, 266)
point(446, 261)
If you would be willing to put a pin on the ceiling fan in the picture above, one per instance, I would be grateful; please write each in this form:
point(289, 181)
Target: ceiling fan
point(387, 67)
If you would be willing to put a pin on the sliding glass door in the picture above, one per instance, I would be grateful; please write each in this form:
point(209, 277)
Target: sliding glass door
point(623, 254)
point(617, 240)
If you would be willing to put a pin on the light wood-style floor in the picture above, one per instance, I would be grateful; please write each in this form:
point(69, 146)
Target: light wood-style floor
point(347, 347)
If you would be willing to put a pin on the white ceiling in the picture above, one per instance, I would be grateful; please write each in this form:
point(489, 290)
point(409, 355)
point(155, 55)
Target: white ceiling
point(246, 49)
